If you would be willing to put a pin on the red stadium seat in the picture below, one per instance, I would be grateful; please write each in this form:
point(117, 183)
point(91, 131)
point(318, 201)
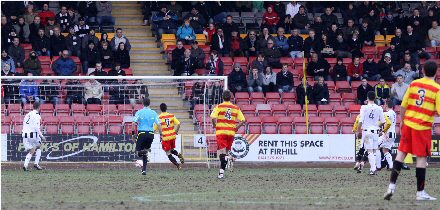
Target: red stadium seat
point(242, 98)
point(99, 120)
point(312, 110)
point(335, 99)
point(109, 109)
point(437, 130)
point(62, 109)
point(241, 60)
point(273, 98)
point(279, 110)
point(348, 98)
point(99, 129)
point(227, 61)
point(331, 86)
point(78, 109)
point(355, 85)
point(241, 130)
point(115, 120)
point(83, 120)
point(346, 130)
point(47, 108)
point(343, 86)
point(270, 125)
point(286, 60)
point(17, 119)
point(6, 128)
point(258, 98)
point(285, 125)
point(340, 111)
point(125, 109)
point(14, 109)
point(18, 129)
point(51, 120)
point(66, 120)
point(52, 129)
point(114, 129)
point(369, 50)
point(300, 125)
point(249, 109)
point(354, 110)
point(294, 110)
point(316, 125)
point(264, 110)
point(331, 61)
point(288, 98)
point(325, 110)
point(200, 109)
point(67, 129)
point(94, 109)
point(83, 129)
point(347, 124)
point(254, 125)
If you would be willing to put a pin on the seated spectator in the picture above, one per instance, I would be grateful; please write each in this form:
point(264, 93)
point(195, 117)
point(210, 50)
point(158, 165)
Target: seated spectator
point(51, 25)
point(434, 34)
point(73, 18)
point(362, 91)
point(287, 23)
point(30, 14)
point(263, 39)
point(355, 70)
point(269, 78)
point(93, 92)
point(328, 18)
point(254, 81)
point(388, 25)
point(104, 38)
point(340, 71)
point(321, 94)
point(373, 20)
point(327, 47)
point(382, 92)
point(209, 32)
point(106, 55)
point(407, 73)
point(414, 44)
point(82, 29)
point(186, 66)
point(73, 43)
point(366, 34)
point(216, 93)
point(237, 79)
point(88, 10)
point(166, 22)
point(57, 42)
point(296, 44)
point(260, 63)
point(219, 44)
point(236, 44)
point(398, 90)
point(22, 29)
point(10, 37)
point(32, 64)
point(122, 56)
point(104, 13)
point(370, 70)
point(34, 27)
point(198, 54)
point(397, 41)
point(119, 37)
point(355, 46)
point(301, 93)
point(228, 27)
point(386, 69)
point(7, 60)
point(6, 70)
point(301, 21)
point(270, 20)
point(49, 92)
point(74, 91)
point(63, 19)
point(312, 44)
point(408, 58)
point(29, 90)
point(197, 20)
point(116, 70)
point(16, 52)
point(393, 54)
point(186, 33)
point(281, 42)
point(175, 8)
point(64, 66)
point(197, 94)
point(90, 57)
point(251, 44)
point(349, 29)
point(98, 71)
point(318, 67)
point(272, 54)
point(45, 14)
point(117, 92)
point(318, 26)
point(285, 80)
point(41, 44)
point(177, 54)
point(90, 37)
point(137, 92)
point(341, 47)
point(215, 64)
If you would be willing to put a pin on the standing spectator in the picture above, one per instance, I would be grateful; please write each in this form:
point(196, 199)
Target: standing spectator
point(219, 43)
point(197, 20)
point(50, 27)
point(328, 18)
point(269, 80)
point(186, 33)
point(116, 41)
point(385, 68)
point(296, 44)
point(122, 56)
point(301, 21)
point(177, 54)
point(293, 8)
point(382, 92)
point(312, 44)
point(215, 64)
point(272, 54)
point(362, 91)
point(407, 73)
point(209, 32)
point(32, 64)
point(254, 81)
point(237, 79)
point(117, 92)
point(281, 42)
point(198, 54)
point(93, 92)
point(301, 93)
point(116, 70)
point(90, 37)
point(88, 10)
point(397, 41)
point(29, 90)
point(82, 29)
point(321, 94)
point(186, 66)
point(64, 66)
point(434, 34)
point(355, 70)
point(398, 90)
point(104, 13)
point(285, 80)
point(217, 11)
point(45, 14)
point(106, 55)
point(318, 67)
point(41, 43)
point(270, 20)
point(16, 52)
point(63, 19)
point(73, 42)
point(413, 44)
point(229, 27)
point(137, 92)
point(166, 22)
point(34, 27)
point(236, 44)
point(7, 60)
point(366, 34)
point(49, 92)
point(350, 29)
point(74, 92)
point(30, 14)
point(370, 70)
point(340, 71)
point(57, 42)
point(22, 30)
point(260, 63)
point(90, 57)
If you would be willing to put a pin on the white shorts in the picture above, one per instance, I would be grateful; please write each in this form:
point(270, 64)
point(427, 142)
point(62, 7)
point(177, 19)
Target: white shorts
point(387, 143)
point(370, 139)
point(31, 143)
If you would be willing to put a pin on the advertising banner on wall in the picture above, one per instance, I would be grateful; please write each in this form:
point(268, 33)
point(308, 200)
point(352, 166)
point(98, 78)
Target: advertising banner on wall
point(88, 148)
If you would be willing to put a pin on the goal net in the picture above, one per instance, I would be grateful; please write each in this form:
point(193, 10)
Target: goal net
point(89, 118)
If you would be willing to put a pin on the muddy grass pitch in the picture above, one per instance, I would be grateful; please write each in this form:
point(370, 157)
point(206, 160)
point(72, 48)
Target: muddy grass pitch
point(248, 187)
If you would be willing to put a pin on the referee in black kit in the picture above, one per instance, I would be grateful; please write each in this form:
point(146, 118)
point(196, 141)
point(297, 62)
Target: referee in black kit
point(145, 119)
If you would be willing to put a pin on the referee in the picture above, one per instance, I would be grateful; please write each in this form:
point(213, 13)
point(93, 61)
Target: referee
point(145, 119)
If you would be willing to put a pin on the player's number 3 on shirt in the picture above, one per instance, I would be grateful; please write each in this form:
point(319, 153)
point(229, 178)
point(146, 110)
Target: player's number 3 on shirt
point(421, 99)
point(228, 114)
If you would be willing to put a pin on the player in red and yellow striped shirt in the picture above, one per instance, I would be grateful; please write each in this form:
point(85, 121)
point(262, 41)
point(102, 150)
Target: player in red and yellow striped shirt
point(421, 101)
point(170, 128)
point(224, 119)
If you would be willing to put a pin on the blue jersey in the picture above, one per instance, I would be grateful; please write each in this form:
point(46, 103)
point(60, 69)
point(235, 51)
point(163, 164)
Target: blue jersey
point(146, 119)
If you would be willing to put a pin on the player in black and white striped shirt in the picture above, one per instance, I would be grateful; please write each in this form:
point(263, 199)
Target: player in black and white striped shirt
point(32, 136)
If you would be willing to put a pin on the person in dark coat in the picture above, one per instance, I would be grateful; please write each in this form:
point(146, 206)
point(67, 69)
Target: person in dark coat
point(17, 52)
point(285, 80)
point(88, 10)
point(296, 44)
point(328, 18)
point(301, 93)
point(366, 34)
point(237, 79)
point(251, 44)
point(215, 64)
point(220, 43)
point(41, 43)
point(75, 92)
point(312, 44)
point(122, 56)
point(90, 57)
point(57, 42)
point(371, 72)
point(186, 66)
point(272, 54)
point(260, 63)
point(318, 67)
point(118, 92)
point(386, 69)
point(32, 64)
point(340, 71)
point(117, 71)
point(73, 42)
point(166, 22)
point(106, 54)
point(320, 92)
point(362, 92)
point(177, 54)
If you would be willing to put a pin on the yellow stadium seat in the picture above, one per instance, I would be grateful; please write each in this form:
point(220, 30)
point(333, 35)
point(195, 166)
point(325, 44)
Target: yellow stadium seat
point(287, 35)
point(304, 36)
point(379, 40)
point(98, 35)
point(167, 43)
point(168, 37)
point(201, 38)
point(389, 37)
point(110, 36)
point(65, 34)
point(243, 36)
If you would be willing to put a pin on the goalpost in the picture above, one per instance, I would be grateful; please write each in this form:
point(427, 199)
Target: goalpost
point(91, 122)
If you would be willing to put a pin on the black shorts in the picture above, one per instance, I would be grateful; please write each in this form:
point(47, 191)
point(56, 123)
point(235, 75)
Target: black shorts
point(144, 140)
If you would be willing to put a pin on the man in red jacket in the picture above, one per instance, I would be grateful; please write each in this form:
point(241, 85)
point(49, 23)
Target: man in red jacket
point(45, 14)
point(355, 70)
point(270, 20)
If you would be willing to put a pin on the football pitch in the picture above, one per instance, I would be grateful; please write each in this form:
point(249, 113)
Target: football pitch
point(248, 187)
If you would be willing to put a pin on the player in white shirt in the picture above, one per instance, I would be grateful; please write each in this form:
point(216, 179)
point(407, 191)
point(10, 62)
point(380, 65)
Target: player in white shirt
point(387, 140)
point(370, 115)
point(32, 136)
